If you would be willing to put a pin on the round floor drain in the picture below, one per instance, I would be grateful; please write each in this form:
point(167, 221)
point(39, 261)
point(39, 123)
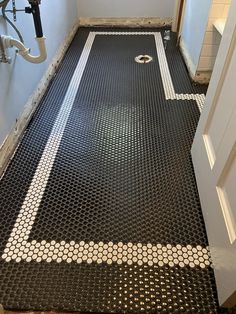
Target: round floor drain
point(143, 59)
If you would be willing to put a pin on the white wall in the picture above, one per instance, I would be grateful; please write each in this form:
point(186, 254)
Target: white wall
point(126, 8)
point(194, 27)
point(19, 79)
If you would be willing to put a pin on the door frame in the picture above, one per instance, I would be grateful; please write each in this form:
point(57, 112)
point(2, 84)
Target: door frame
point(202, 152)
point(178, 17)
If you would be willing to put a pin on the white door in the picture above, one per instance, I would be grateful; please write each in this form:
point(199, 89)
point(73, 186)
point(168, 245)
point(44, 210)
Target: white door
point(214, 158)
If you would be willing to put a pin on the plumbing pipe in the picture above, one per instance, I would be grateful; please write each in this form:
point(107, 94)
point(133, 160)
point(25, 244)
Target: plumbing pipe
point(34, 9)
point(10, 42)
point(10, 22)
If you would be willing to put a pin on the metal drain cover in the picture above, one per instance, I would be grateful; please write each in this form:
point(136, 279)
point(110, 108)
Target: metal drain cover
point(143, 59)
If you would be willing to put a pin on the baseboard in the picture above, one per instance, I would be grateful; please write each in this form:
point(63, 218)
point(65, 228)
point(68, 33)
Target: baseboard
point(129, 22)
point(10, 144)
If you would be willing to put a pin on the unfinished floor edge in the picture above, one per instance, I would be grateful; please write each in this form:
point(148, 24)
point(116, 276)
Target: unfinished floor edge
point(131, 22)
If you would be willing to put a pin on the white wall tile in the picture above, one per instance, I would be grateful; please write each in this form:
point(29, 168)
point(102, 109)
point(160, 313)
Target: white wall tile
point(219, 10)
point(206, 63)
point(210, 26)
point(209, 50)
point(222, 1)
point(226, 11)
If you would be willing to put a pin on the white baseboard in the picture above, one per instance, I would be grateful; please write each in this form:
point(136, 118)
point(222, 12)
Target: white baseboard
point(10, 144)
point(129, 22)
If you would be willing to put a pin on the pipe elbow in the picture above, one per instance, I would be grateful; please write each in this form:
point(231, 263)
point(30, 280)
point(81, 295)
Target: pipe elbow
point(25, 52)
point(42, 52)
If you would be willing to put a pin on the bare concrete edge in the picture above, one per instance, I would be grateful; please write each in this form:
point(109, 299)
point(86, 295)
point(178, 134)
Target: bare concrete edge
point(129, 22)
point(10, 144)
point(201, 77)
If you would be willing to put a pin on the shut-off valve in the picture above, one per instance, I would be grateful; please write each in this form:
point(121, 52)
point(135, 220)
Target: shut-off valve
point(9, 42)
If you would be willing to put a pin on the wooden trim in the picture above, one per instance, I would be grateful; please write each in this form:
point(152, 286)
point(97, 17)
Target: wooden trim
point(181, 7)
point(180, 20)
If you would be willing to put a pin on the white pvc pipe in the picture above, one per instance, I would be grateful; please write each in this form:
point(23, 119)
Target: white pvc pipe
point(9, 42)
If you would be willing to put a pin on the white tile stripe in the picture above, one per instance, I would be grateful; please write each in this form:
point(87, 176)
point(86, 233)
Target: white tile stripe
point(108, 252)
point(169, 90)
point(18, 248)
point(42, 173)
point(199, 98)
point(164, 68)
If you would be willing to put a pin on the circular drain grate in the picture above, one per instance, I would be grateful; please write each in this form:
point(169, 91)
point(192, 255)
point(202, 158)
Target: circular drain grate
point(143, 59)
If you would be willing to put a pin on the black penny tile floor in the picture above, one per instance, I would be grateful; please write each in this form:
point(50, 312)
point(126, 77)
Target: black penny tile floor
point(99, 206)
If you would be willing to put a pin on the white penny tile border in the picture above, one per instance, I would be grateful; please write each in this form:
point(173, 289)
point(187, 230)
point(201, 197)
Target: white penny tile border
point(19, 248)
point(108, 253)
point(168, 86)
